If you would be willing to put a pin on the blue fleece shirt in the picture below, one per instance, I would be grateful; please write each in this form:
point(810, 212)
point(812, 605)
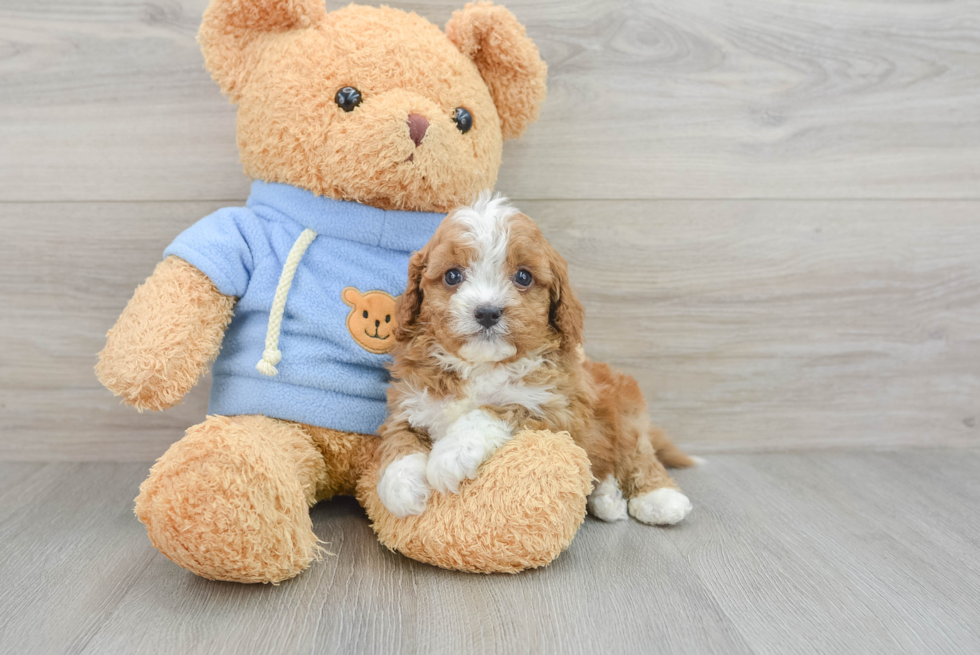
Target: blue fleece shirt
point(326, 377)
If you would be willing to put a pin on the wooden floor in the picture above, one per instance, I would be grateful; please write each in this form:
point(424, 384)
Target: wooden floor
point(874, 552)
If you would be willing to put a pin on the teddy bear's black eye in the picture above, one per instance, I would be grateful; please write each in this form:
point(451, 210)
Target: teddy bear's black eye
point(523, 278)
point(348, 98)
point(453, 277)
point(364, 314)
point(463, 119)
point(387, 318)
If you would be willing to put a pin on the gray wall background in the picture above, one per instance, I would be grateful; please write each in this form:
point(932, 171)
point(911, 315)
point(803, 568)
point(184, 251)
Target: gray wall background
point(770, 209)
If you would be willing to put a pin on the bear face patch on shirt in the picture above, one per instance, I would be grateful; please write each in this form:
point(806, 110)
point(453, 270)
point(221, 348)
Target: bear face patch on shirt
point(371, 321)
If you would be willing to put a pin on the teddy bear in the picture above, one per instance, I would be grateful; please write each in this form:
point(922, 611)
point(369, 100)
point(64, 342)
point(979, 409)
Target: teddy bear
point(360, 128)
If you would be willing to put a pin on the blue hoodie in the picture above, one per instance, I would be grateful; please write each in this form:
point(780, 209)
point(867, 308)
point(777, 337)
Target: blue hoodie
point(318, 371)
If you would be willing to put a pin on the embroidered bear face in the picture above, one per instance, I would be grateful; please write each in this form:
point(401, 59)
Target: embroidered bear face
point(372, 319)
point(374, 105)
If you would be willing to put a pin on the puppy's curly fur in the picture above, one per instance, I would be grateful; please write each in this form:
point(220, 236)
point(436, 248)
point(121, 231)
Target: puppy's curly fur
point(489, 343)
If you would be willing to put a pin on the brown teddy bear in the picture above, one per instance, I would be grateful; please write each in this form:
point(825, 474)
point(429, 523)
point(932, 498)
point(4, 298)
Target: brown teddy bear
point(361, 127)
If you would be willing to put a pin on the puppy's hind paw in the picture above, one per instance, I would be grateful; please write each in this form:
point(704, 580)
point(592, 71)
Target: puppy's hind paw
point(403, 489)
point(606, 501)
point(660, 507)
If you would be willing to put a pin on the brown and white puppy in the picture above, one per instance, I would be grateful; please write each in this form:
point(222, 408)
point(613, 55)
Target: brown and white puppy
point(488, 344)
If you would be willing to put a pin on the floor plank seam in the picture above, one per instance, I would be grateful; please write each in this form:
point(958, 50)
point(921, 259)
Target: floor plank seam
point(108, 618)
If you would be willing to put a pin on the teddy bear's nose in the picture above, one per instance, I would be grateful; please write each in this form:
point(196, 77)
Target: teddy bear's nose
point(417, 125)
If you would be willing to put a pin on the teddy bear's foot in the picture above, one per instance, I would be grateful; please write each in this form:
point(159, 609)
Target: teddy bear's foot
point(230, 501)
point(522, 510)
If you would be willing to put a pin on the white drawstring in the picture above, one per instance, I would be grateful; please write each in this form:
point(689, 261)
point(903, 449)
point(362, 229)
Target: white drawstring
point(272, 355)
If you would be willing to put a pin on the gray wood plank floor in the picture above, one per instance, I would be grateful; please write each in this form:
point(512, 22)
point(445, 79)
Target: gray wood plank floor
point(861, 552)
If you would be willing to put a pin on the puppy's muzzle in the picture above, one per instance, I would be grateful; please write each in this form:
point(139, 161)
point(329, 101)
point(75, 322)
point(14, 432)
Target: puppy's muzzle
point(488, 315)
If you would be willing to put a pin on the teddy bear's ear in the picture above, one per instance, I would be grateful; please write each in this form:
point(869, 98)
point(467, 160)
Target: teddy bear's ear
point(507, 59)
point(234, 33)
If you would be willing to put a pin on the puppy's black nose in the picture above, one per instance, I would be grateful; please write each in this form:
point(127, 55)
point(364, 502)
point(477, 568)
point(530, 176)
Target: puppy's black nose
point(488, 315)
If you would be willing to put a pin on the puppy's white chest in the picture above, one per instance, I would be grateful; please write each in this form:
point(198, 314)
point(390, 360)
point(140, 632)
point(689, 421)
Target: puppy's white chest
point(496, 386)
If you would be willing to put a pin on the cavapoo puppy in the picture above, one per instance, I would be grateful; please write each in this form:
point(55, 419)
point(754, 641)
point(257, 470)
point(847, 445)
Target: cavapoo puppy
point(489, 340)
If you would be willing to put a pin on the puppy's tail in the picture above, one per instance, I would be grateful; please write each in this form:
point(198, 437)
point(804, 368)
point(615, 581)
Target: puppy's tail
point(670, 455)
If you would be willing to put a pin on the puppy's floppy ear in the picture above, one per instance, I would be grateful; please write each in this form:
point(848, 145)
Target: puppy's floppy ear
point(234, 33)
point(508, 61)
point(409, 304)
point(566, 314)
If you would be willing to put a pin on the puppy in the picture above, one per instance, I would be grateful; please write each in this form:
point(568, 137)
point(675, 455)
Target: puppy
point(488, 343)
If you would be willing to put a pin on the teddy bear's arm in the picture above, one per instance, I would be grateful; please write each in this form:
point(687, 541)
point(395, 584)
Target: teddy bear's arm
point(164, 340)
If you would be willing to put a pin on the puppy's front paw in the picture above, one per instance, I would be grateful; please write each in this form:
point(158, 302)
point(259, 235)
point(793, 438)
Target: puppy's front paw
point(451, 462)
point(403, 489)
point(660, 507)
point(468, 442)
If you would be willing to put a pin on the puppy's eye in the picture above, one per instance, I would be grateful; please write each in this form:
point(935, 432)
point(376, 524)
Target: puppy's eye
point(364, 314)
point(348, 98)
point(523, 278)
point(463, 119)
point(453, 277)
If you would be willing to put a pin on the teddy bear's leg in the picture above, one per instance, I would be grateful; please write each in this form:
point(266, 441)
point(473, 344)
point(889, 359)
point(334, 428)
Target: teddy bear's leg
point(346, 455)
point(521, 511)
point(230, 501)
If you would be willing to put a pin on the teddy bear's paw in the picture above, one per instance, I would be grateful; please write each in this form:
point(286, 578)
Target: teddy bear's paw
point(519, 513)
point(403, 489)
point(606, 501)
point(660, 507)
point(468, 442)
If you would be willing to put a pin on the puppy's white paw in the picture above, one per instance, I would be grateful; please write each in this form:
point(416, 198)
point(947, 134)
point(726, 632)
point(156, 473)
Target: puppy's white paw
point(403, 489)
point(468, 442)
point(660, 507)
point(451, 464)
point(606, 501)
